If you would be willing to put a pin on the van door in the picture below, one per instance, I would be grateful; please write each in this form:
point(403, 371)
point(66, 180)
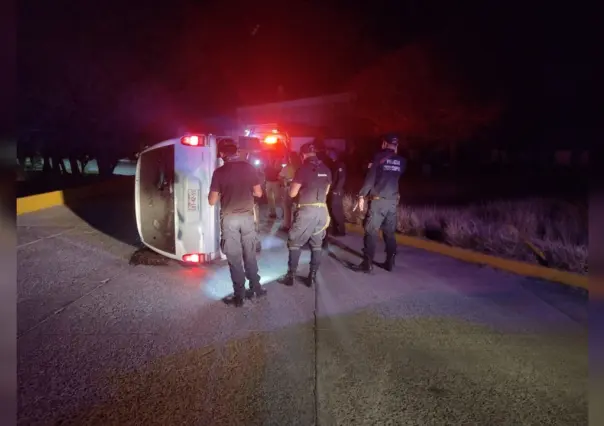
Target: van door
point(154, 192)
point(198, 223)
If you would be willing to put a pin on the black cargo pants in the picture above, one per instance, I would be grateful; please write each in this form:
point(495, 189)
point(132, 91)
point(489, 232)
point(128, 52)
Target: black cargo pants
point(336, 209)
point(380, 215)
point(238, 242)
point(309, 226)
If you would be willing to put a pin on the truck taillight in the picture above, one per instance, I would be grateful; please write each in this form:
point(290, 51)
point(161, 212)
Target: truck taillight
point(271, 140)
point(193, 140)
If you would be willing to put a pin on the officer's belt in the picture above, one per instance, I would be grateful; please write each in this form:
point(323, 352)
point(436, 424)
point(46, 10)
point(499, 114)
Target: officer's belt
point(317, 205)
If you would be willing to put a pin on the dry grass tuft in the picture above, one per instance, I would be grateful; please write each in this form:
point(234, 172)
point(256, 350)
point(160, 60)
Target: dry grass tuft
point(502, 228)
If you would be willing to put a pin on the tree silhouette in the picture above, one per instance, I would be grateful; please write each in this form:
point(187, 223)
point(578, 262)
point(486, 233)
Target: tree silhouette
point(417, 93)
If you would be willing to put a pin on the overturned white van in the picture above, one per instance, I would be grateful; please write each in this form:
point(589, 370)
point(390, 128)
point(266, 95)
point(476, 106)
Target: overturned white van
point(173, 215)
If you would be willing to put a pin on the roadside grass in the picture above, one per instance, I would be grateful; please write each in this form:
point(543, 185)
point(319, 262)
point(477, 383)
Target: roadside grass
point(555, 228)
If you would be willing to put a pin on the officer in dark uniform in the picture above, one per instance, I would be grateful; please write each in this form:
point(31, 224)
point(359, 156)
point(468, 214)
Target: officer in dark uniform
point(381, 188)
point(335, 199)
point(324, 157)
point(235, 184)
point(310, 185)
point(261, 176)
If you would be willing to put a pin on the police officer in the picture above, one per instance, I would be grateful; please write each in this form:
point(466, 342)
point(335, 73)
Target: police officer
point(381, 188)
point(324, 157)
point(262, 178)
point(235, 184)
point(286, 175)
point(336, 196)
point(310, 184)
point(273, 185)
point(250, 158)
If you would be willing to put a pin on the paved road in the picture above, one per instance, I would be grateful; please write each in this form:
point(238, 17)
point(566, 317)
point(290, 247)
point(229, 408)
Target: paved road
point(438, 342)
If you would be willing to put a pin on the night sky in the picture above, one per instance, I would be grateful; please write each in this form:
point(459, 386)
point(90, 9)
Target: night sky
point(79, 59)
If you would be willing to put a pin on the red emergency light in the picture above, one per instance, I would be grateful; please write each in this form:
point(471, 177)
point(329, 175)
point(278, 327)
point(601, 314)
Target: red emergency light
point(191, 258)
point(271, 140)
point(193, 140)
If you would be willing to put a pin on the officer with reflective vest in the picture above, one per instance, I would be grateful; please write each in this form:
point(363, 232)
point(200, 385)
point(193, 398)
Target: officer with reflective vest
point(381, 187)
point(310, 185)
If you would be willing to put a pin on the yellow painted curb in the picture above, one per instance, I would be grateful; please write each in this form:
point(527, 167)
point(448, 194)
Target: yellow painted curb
point(33, 203)
point(514, 266)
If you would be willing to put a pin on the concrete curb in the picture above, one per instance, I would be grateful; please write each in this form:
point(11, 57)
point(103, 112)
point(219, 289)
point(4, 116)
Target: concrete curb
point(513, 266)
point(33, 203)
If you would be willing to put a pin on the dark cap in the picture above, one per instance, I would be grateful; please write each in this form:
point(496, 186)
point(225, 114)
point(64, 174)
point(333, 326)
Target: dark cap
point(391, 139)
point(227, 147)
point(226, 142)
point(307, 148)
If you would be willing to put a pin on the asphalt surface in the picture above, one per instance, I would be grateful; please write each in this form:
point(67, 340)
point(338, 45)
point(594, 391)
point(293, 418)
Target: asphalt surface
point(102, 341)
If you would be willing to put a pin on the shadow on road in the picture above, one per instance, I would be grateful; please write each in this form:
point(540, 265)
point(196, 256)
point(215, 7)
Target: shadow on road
point(112, 214)
point(346, 263)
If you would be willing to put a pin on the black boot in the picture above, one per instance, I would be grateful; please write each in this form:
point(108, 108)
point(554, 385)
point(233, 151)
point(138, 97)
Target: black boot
point(312, 278)
point(292, 267)
point(257, 291)
point(289, 279)
point(260, 292)
point(238, 301)
point(365, 266)
point(389, 263)
point(234, 300)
